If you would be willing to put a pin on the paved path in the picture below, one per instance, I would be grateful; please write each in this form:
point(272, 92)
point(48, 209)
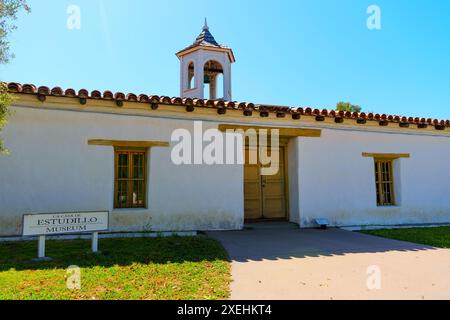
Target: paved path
point(280, 261)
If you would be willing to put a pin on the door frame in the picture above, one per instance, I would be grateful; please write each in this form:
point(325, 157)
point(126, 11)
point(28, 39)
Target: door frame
point(284, 146)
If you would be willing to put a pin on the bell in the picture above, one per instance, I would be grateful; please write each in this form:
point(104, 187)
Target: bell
point(207, 79)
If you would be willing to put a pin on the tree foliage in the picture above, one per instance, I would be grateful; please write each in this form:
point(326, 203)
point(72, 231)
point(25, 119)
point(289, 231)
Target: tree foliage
point(347, 106)
point(8, 15)
point(5, 101)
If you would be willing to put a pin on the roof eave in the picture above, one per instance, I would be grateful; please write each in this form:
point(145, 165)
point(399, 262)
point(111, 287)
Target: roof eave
point(190, 49)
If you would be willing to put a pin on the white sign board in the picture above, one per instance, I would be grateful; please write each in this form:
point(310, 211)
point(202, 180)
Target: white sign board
point(64, 223)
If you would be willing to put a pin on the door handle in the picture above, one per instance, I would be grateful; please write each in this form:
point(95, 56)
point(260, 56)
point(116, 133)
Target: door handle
point(263, 182)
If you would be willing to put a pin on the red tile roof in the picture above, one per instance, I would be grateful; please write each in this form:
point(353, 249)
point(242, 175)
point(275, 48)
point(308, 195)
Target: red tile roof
point(222, 106)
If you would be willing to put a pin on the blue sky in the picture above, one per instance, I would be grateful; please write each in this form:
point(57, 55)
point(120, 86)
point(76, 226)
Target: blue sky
point(297, 53)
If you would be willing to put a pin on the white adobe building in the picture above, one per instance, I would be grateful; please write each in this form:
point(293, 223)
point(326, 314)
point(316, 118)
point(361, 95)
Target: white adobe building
point(86, 151)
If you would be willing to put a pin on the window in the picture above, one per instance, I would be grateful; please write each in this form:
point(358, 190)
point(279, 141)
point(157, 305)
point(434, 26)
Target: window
point(130, 178)
point(385, 182)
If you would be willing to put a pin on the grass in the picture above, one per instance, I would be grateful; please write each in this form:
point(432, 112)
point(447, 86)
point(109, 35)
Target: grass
point(132, 269)
point(436, 237)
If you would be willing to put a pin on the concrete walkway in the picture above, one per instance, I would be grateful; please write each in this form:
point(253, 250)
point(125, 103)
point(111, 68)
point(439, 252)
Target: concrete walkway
point(280, 261)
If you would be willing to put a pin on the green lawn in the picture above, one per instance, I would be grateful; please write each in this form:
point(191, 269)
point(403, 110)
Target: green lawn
point(437, 237)
point(146, 268)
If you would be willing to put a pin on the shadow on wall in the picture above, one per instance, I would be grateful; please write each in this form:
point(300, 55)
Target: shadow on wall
point(291, 242)
point(114, 252)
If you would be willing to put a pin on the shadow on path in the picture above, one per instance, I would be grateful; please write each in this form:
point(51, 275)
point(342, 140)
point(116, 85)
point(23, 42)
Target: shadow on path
point(286, 241)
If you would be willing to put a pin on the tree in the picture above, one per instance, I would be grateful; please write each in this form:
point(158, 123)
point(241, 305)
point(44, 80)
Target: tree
point(8, 14)
point(347, 106)
point(5, 101)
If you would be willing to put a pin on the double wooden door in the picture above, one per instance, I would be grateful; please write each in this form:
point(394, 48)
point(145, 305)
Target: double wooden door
point(265, 195)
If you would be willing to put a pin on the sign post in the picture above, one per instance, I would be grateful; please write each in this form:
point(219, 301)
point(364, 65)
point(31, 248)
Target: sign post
point(41, 249)
point(42, 225)
point(95, 242)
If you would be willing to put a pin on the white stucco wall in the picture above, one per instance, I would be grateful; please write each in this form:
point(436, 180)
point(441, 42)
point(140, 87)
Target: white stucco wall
point(293, 180)
point(337, 183)
point(51, 168)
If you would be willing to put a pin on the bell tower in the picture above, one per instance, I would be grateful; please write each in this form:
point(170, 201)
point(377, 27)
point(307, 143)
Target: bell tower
point(206, 68)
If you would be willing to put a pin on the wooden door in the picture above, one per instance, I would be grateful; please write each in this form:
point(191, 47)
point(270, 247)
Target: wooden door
point(273, 192)
point(264, 196)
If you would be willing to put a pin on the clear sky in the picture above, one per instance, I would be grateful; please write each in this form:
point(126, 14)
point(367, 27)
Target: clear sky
point(297, 53)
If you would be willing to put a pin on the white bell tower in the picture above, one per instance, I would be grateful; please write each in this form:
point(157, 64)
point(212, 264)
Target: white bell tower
point(203, 65)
